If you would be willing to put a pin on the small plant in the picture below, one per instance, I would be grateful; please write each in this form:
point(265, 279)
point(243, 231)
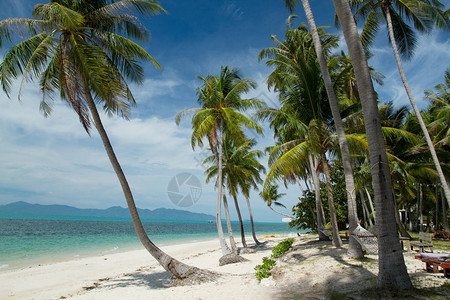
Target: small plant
point(282, 247)
point(263, 270)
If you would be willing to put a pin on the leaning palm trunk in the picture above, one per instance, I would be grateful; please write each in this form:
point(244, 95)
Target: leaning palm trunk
point(415, 108)
point(320, 219)
point(176, 268)
point(392, 273)
point(241, 224)
point(354, 248)
point(230, 231)
point(337, 242)
point(280, 213)
point(223, 243)
point(365, 208)
point(371, 203)
point(251, 222)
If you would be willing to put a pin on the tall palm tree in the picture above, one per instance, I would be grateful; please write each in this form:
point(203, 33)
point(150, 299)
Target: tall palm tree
point(247, 170)
point(297, 77)
point(241, 171)
point(75, 48)
point(424, 14)
point(354, 249)
point(392, 269)
point(219, 114)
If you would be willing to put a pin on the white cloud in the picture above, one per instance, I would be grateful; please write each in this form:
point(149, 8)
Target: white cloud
point(423, 71)
point(55, 161)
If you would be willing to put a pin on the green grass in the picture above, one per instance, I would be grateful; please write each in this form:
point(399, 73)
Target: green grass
point(441, 246)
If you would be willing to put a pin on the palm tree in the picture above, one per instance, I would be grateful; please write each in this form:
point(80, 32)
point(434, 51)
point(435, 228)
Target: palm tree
point(392, 270)
point(297, 77)
point(219, 114)
point(354, 249)
point(241, 171)
point(424, 14)
point(271, 196)
point(74, 48)
point(246, 173)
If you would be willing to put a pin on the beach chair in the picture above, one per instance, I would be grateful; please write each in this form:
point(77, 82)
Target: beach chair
point(435, 260)
point(367, 240)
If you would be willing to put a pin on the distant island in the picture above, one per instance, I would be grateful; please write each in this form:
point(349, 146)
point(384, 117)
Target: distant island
point(22, 207)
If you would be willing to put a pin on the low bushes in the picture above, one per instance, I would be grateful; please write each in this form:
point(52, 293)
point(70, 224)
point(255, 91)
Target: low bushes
point(263, 270)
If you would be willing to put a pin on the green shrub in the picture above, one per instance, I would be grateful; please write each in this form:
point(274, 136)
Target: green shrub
point(282, 247)
point(263, 270)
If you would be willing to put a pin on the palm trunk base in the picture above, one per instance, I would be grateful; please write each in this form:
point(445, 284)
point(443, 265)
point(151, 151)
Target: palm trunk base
point(231, 258)
point(195, 276)
point(323, 236)
point(354, 248)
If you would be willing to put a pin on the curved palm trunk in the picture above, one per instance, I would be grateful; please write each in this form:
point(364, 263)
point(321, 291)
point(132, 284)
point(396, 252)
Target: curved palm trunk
point(371, 204)
point(365, 208)
point(354, 248)
point(241, 224)
point(415, 108)
point(337, 242)
point(230, 231)
point(223, 243)
point(176, 268)
point(251, 222)
point(392, 272)
point(320, 219)
point(280, 213)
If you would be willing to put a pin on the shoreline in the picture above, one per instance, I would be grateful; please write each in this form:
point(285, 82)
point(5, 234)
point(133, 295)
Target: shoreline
point(76, 277)
point(311, 269)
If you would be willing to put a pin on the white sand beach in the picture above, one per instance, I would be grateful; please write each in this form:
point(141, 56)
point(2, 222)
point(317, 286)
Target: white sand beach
point(313, 270)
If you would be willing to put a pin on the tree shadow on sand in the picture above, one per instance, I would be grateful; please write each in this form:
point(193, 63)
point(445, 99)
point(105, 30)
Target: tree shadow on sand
point(158, 280)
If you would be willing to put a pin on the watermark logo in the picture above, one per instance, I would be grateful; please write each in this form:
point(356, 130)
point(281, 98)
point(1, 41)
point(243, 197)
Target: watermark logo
point(184, 189)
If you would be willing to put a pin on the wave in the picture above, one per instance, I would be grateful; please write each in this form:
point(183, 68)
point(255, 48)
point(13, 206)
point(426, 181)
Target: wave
point(111, 250)
point(4, 266)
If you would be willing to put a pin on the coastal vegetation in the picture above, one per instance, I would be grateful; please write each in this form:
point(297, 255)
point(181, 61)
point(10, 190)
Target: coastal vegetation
point(356, 159)
point(263, 270)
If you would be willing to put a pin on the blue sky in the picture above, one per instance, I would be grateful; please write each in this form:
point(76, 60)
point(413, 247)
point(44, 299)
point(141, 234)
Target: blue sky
point(53, 161)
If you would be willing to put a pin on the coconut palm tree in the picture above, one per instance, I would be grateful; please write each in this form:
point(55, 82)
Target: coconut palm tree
point(423, 14)
point(271, 196)
point(219, 114)
point(297, 77)
point(392, 270)
point(246, 172)
point(241, 171)
point(354, 249)
point(75, 49)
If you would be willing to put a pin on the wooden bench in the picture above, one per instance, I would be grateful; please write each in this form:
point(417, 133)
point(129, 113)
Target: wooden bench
point(424, 242)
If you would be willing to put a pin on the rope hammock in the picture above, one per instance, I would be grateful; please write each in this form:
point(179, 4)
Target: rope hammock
point(366, 239)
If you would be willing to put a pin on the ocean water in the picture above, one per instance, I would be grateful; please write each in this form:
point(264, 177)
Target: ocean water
point(27, 240)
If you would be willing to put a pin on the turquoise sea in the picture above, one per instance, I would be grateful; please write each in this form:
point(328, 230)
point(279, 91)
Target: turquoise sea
point(34, 239)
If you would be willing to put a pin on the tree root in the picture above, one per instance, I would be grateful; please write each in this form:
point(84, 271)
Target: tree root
point(194, 277)
point(230, 259)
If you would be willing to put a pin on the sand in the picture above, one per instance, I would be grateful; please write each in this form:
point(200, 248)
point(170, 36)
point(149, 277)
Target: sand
point(312, 270)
